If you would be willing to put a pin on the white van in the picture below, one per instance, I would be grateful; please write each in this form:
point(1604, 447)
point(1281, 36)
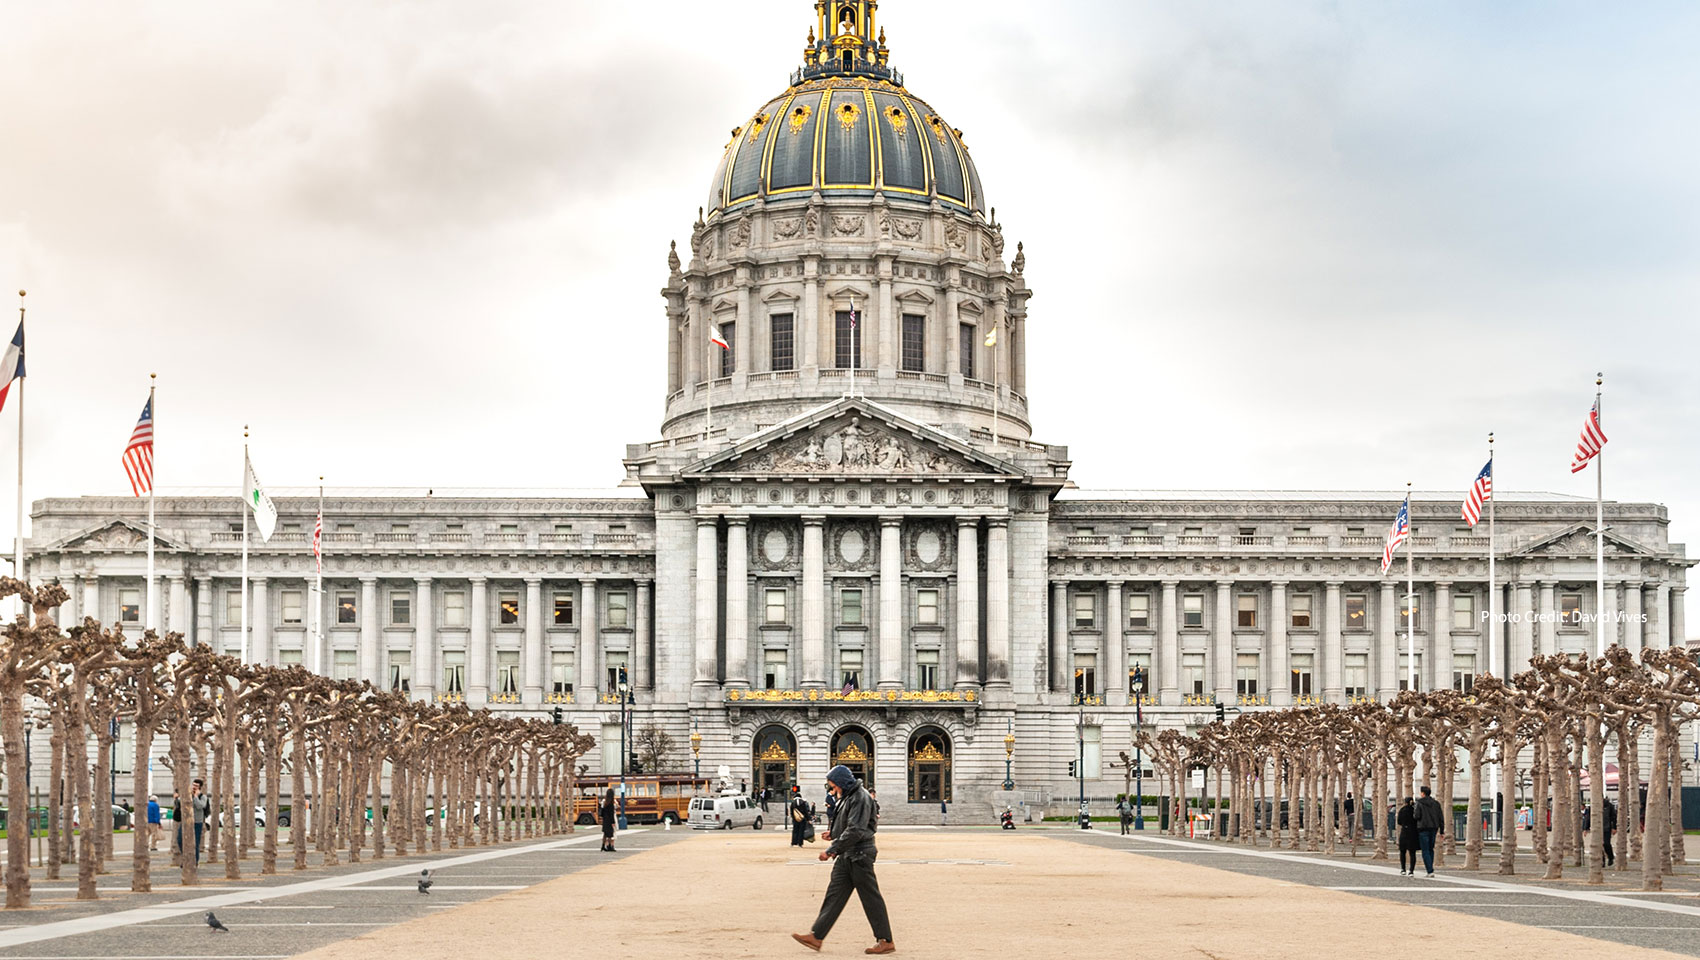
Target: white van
point(724, 813)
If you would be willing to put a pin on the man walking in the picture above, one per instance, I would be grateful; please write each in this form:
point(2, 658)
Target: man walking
point(154, 828)
point(1126, 813)
point(852, 836)
point(1611, 825)
point(1430, 822)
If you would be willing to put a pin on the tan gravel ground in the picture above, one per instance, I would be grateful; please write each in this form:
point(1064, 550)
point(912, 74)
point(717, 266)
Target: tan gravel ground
point(742, 896)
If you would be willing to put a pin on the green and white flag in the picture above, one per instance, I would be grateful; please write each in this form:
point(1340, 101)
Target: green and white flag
point(265, 515)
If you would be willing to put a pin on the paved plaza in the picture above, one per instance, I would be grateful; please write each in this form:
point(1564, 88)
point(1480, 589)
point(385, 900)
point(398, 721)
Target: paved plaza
point(1033, 892)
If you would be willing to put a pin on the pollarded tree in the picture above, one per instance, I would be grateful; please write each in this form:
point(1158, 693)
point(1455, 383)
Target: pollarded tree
point(27, 648)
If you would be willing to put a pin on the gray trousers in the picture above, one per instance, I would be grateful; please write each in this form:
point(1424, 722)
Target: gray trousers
point(853, 874)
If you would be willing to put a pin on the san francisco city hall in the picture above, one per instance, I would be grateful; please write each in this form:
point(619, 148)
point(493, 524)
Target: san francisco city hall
point(846, 544)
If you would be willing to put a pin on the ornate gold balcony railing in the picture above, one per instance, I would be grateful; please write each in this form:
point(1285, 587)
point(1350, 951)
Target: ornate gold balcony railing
point(504, 698)
point(818, 695)
point(1199, 700)
point(1248, 700)
point(1307, 700)
point(450, 698)
point(558, 698)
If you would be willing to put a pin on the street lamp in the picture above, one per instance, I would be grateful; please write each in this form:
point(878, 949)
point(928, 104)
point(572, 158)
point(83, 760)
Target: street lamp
point(624, 691)
point(1008, 754)
point(696, 751)
point(1080, 742)
point(1138, 755)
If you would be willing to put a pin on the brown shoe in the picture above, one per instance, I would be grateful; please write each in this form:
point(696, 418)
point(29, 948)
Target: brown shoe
point(808, 940)
point(882, 946)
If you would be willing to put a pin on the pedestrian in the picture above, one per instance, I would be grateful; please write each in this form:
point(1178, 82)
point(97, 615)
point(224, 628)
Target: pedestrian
point(1408, 845)
point(831, 808)
point(154, 826)
point(852, 837)
point(763, 799)
point(802, 818)
point(1349, 806)
point(1431, 822)
point(201, 806)
point(1125, 811)
point(608, 817)
point(876, 799)
point(1611, 826)
point(944, 813)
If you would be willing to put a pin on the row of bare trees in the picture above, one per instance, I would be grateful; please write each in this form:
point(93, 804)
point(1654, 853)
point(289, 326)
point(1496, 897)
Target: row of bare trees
point(243, 729)
point(1556, 722)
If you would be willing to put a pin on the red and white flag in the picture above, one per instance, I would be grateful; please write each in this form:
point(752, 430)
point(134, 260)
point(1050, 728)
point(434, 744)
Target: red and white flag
point(318, 539)
point(11, 364)
point(1480, 493)
point(715, 337)
point(1592, 442)
point(138, 455)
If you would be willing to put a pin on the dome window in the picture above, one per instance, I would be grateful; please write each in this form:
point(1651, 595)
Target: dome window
point(756, 126)
point(799, 118)
point(899, 122)
point(848, 115)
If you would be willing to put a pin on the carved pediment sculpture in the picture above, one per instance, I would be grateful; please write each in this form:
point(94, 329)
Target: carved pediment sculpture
point(855, 447)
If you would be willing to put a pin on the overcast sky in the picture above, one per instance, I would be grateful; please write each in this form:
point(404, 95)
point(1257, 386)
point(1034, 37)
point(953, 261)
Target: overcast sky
point(1274, 244)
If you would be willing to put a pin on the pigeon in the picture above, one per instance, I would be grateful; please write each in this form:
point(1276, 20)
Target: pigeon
point(425, 881)
point(212, 922)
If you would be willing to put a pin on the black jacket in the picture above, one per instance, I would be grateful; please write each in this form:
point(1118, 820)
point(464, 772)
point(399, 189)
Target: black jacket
point(1429, 814)
point(853, 825)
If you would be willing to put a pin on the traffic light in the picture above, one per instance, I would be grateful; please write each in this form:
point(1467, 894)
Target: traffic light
point(557, 715)
point(636, 767)
point(1221, 713)
point(1071, 767)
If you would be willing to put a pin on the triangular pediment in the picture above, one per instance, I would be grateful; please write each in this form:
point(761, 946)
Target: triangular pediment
point(914, 296)
point(970, 308)
point(852, 437)
point(117, 534)
point(781, 295)
point(1577, 540)
point(723, 306)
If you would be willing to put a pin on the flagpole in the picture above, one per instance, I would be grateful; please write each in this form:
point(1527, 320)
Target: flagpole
point(153, 593)
point(1410, 594)
point(1599, 527)
point(319, 589)
point(708, 428)
point(997, 373)
point(18, 545)
point(1493, 582)
point(244, 637)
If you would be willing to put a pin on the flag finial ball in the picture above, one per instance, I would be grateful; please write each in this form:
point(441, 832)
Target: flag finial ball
point(20, 293)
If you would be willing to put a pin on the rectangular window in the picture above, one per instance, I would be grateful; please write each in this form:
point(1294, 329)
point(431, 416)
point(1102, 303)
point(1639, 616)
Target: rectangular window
point(347, 611)
point(850, 669)
point(507, 528)
point(927, 669)
point(1138, 674)
point(509, 609)
point(968, 337)
point(563, 529)
point(927, 607)
point(781, 345)
point(1464, 672)
point(728, 353)
point(616, 662)
point(1192, 673)
point(850, 608)
point(1301, 611)
point(401, 609)
point(564, 609)
point(454, 608)
point(619, 610)
point(914, 343)
point(1091, 752)
point(233, 608)
point(1410, 611)
point(1357, 674)
point(1139, 611)
point(773, 669)
point(290, 603)
point(561, 672)
point(1247, 611)
point(454, 672)
point(1357, 612)
point(401, 671)
point(1304, 664)
point(344, 664)
point(1192, 610)
point(1245, 674)
point(1085, 611)
point(776, 606)
point(1464, 613)
point(1085, 675)
point(847, 341)
point(1405, 667)
point(399, 528)
point(507, 671)
point(1570, 609)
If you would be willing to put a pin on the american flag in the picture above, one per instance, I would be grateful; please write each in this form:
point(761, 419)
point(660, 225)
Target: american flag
point(138, 456)
point(1396, 535)
point(1480, 492)
point(318, 539)
point(1592, 442)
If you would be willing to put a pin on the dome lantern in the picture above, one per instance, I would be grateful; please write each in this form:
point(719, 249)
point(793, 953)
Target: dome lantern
point(843, 43)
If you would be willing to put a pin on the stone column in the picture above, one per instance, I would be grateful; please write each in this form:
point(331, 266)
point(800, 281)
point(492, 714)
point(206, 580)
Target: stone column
point(997, 603)
point(1525, 633)
point(1608, 625)
point(1059, 672)
point(1115, 647)
point(1548, 624)
point(950, 327)
point(1387, 673)
point(737, 600)
point(1661, 615)
point(967, 602)
point(371, 641)
point(694, 340)
point(707, 609)
point(1169, 648)
point(814, 602)
point(1280, 690)
point(1223, 654)
point(742, 335)
point(887, 323)
point(531, 655)
point(1332, 684)
point(643, 645)
point(424, 642)
point(203, 611)
point(1632, 633)
point(1678, 623)
point(891, 603)
point(478, 646)
point(179, 603)
point(589, 664)
point(260, 650)
point(1440, 660)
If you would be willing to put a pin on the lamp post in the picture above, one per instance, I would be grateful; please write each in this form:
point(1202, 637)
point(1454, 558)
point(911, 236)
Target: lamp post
point(1008, 754)
point(623, 691)
point(696, 751)
point(1080, 744)
point(112, 730)
point(1138, 754)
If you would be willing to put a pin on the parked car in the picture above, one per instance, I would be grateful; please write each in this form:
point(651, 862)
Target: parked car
point(120, 817)
point(431, 814)
point(724, 813)
point(260, 818)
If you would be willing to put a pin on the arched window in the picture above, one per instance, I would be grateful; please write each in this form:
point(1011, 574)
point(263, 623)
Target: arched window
point(773, 760)
point(854, 748)
point(929, 766)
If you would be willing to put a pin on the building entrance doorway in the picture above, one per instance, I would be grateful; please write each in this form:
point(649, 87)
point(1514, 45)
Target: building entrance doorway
point(854, 748)
point(774, 761)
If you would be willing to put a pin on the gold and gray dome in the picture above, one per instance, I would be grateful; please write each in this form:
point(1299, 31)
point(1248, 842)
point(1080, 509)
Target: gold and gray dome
point(846, 127)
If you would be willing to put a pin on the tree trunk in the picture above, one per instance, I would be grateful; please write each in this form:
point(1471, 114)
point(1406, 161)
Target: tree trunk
point(332, 809)
point(1596, 800)
point(232, 814)
point(1508, 776)
point(18, 834)
point(1678, 852)
point(1558, 761)
point(377, 765)
point(1652, 876)
point(274, 773)
point(56, 829)
point(299, 804)
point(85, 796)
point(1538, 808)
point(1473, 805)
point(1380, 812)
point(141, 880)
